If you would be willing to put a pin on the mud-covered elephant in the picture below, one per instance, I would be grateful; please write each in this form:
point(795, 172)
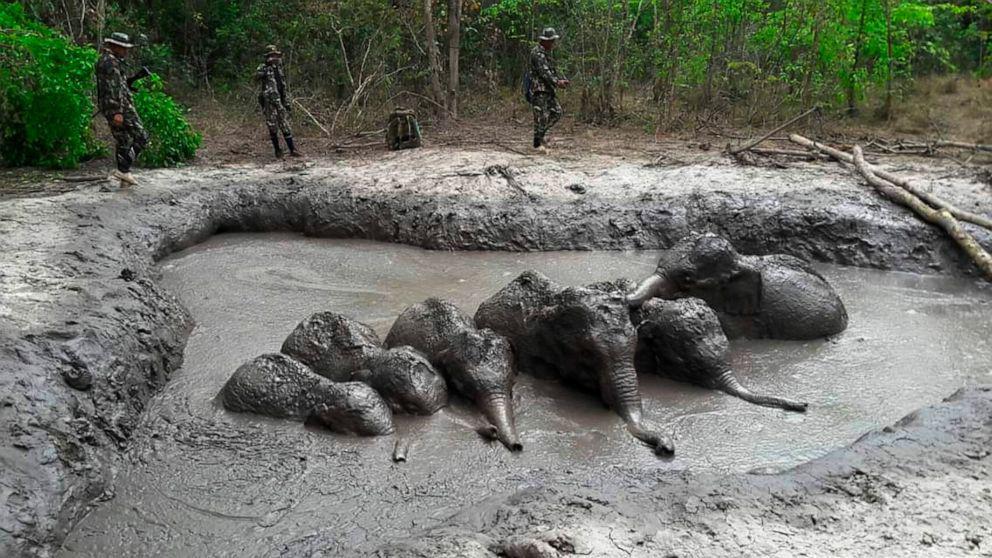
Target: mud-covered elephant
point(342, 349)
point(581, 336)
point(477, 363)
point(775, 296)
point(278, 386)
point(682, 339)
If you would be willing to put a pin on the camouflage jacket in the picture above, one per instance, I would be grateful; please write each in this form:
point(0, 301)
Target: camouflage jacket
point(113, 94)
point(543, 71)
point(272, 82)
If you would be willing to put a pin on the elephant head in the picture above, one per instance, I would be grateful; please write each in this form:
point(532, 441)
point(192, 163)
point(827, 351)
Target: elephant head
point(583, 336)
point(698, 263)
point(477, 363)
point(776, 295)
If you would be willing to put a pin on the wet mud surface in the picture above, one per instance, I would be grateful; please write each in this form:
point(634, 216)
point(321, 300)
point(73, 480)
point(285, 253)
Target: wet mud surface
point(204, 481)
point(89, 335)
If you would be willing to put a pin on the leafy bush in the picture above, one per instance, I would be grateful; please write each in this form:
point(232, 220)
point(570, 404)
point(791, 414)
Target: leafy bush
point(45, 84)
point(173, 140)
point(46, 105)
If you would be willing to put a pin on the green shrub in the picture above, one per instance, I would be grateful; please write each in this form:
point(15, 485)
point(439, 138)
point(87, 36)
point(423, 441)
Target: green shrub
point(173, 140)
point(45, 84)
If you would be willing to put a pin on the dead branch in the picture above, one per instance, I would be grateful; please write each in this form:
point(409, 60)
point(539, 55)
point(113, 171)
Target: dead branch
point(356, 145)
point(898, 181)
point(312, 117)
point(941, 217)
point(753, 143)
point(510, 176)
point(809, 155)
point(963, 145)
point(83, 178)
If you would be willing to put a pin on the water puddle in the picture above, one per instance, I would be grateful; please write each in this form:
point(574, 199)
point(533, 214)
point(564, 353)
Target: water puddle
point(205, 482)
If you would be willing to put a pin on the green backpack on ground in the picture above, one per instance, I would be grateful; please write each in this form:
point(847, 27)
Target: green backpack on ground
point(403, 131)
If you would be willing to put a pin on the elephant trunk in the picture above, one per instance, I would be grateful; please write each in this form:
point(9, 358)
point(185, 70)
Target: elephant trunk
point(498, 408)
point(622, 393)
point(402, 449)
point(654, 286)
point(728, 383)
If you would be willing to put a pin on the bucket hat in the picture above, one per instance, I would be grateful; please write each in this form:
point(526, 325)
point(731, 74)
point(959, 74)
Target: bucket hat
point(119, 39)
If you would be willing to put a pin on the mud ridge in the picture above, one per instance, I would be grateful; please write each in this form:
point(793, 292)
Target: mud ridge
point(88, 336)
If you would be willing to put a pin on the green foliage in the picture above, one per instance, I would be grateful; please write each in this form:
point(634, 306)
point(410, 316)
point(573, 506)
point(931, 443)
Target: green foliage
point(173, 140)
point(702, 54)
point(45, 84)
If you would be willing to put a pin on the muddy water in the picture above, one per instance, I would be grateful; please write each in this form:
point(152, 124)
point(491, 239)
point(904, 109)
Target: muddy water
point(205, 482)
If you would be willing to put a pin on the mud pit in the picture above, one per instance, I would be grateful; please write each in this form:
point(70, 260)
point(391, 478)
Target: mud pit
point(204, 481)
point(91, 341)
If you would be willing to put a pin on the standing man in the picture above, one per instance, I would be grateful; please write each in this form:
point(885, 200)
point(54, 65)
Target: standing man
point(114, 100)
point(275, 100)
point(544, 81)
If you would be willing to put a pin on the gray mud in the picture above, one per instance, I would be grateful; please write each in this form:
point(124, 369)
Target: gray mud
point(88, 335)
point(208, 482)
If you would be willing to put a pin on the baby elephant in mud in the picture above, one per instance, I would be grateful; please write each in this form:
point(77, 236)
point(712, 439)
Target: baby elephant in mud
point(477, 363)
point(683, 340)
point(343, 349)
point(774, 296)
point(279, 386)
point(582, 336)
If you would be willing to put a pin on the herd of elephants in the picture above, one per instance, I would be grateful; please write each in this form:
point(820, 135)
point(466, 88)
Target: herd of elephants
point(596, 338)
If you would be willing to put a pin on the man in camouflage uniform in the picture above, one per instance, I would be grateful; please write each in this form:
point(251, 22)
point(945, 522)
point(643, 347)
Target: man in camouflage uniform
point(114, 100)
point(544, 81)
point(274, 99)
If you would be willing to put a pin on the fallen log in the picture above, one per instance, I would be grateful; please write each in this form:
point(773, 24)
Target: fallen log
point(939, 217)
point(904, 183)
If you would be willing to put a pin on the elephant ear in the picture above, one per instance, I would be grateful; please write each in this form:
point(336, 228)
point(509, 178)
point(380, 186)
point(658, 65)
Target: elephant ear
point(741, 295)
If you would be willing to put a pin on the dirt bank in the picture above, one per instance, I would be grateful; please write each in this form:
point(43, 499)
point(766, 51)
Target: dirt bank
point(89, 336)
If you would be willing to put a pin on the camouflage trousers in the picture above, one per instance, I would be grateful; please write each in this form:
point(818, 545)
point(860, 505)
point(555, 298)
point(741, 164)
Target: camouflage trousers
point(547, 113)
point(277, 118)
point(130, 138)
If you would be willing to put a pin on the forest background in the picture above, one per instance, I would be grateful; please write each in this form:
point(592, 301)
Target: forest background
point(663, 66)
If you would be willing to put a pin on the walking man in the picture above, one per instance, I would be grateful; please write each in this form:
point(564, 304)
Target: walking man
point(544, 81)
point(274, 99)
point(114, 100)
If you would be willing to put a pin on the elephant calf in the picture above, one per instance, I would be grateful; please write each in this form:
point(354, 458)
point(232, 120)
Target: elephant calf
point(775, 296)
point(477, 363)
point(343, 349)
point(683, 340)
point(279, 386)
point(582, 336)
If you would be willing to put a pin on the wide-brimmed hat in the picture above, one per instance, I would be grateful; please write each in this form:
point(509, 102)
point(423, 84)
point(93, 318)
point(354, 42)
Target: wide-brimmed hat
point(549, 34)
point(119, 39)
point(271, 50)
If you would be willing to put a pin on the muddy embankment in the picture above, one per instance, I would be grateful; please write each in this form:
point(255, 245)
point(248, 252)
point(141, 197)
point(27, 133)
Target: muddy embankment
point(88, 336)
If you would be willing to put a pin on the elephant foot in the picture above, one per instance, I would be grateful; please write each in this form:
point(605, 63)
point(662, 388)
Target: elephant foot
point(660, 443)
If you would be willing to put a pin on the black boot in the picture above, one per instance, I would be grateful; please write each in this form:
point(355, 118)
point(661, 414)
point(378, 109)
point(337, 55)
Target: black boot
point(275, 144)
point(292, 148)
point(537, 141)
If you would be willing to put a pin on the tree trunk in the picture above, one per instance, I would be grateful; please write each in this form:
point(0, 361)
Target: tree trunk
point(851, 107)
point(434, 59)
point(887, 108)
point(454, 49)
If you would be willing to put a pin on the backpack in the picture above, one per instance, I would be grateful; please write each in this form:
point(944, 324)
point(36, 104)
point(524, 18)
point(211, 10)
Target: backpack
point(527, 94)
point(402, 131)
